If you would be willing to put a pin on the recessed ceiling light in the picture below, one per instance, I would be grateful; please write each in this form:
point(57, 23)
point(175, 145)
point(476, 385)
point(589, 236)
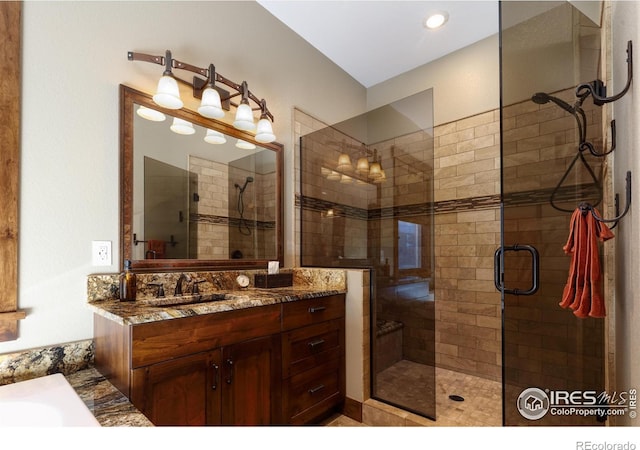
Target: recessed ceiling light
point(436, 20)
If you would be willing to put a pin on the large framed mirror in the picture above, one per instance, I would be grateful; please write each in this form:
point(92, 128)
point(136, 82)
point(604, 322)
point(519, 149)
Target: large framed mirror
point(191, 204)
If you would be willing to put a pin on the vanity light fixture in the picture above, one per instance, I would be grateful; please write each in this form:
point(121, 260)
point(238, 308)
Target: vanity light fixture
point(362, 166)
point(436, 20)
point(150, 114)
point(215, 100)
point(245, 145)
point(214, 137)
point(181, 126)
point(344, 163)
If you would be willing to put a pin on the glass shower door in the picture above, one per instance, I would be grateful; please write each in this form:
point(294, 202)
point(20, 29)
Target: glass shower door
point(551, 357)
point(367, 203)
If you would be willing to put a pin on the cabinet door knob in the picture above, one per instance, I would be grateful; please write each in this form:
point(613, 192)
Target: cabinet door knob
point(315, 309)
point(216, 375)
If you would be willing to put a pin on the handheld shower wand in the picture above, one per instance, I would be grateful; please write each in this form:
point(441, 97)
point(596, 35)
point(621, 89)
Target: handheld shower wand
point(242, 226)
point(246, 181)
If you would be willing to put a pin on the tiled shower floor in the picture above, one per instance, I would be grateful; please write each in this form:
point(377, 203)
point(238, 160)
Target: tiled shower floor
point(482, 405)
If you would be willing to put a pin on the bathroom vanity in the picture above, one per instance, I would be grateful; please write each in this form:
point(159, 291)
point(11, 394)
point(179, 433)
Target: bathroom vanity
point(254, 357)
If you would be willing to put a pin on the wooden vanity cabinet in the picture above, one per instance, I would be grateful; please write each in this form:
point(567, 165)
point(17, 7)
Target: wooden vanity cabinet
point(214, 369)
point(274, 364)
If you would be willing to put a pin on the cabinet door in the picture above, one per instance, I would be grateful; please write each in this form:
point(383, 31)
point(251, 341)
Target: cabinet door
point(251, 381)
point(175, 392)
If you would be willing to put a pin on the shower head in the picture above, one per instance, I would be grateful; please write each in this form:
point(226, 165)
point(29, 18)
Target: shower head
point(541, 98)
point(246, 181)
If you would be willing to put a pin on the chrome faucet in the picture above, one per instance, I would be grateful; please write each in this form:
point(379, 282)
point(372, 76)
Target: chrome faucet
point(183, 277)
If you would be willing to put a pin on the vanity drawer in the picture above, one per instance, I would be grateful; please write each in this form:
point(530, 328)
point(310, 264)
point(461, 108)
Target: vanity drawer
point(166, 339)
point(313, 392)
point(308, 347)
point(312, 311)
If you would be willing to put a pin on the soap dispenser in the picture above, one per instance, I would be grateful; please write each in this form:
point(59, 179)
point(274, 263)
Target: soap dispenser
point(127, 283)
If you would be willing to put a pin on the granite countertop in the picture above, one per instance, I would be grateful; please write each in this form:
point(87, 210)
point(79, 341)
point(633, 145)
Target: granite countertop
point(138, 312)
point(109, 406)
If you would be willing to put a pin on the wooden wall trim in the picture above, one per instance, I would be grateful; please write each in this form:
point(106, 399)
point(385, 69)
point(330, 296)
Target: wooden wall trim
point(10, 75)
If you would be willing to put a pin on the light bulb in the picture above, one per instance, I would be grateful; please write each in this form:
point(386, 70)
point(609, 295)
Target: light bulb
point(214, 137)
point(210, 106)
point(244, 118)
point(181, 126)
point(436, 20)
point(168, 95)
point(264, 131)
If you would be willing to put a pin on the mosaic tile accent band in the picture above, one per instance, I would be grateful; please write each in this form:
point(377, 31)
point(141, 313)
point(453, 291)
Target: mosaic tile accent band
point(534, 197)
point(232, 221)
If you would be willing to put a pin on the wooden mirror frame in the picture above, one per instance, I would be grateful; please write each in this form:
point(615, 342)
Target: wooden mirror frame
point(129, 97)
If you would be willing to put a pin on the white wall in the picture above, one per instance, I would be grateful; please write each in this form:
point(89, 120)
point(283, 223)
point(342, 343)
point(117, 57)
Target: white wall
point(74, 58)
point(626, 112)
point(464, 83)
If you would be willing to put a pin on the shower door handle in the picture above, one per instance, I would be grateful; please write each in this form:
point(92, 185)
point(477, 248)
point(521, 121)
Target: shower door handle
point(535, 269)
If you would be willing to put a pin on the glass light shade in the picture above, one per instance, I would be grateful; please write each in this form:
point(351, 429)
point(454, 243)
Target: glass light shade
point(214, 137)
point(245, 145)
point(381, 178)
point(168, 95)
point(182, 126)
point(334, 176)
point(150, 114)
point(244, 118)
point(346, 179)
point(362, 166)
point(375, 171)
point(344, 163)
point(264, 131)
point(210, 106)
point(324, 171)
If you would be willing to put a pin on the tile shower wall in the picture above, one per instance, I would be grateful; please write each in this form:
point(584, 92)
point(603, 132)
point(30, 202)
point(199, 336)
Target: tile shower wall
point(467, 233)
point(211, 224)
point(215, 219)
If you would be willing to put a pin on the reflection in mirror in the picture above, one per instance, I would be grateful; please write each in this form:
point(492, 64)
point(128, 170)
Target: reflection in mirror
point(196, 192)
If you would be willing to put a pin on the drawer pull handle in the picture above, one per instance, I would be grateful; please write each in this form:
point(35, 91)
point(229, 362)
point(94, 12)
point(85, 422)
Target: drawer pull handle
point(229, 379)
point(216, 375)
point(314, 344)
point(316, 389)
point(315, 309)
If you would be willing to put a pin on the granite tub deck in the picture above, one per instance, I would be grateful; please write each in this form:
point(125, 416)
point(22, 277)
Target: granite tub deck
point(109, 406)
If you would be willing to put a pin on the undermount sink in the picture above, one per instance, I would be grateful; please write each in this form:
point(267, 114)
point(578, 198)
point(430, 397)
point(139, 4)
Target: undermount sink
point(178, 300)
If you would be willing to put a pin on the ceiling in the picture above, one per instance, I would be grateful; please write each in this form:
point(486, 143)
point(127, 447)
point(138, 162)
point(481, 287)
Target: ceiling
point(374, 41)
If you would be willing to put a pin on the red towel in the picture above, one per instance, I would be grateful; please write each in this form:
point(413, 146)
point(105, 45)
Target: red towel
point(582, 292)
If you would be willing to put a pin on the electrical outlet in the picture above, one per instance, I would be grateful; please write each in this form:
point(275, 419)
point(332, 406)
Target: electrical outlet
point(101, 253)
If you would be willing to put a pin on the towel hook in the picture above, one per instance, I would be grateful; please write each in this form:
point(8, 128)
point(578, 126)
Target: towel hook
point(586, 207)
point(597, 89)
